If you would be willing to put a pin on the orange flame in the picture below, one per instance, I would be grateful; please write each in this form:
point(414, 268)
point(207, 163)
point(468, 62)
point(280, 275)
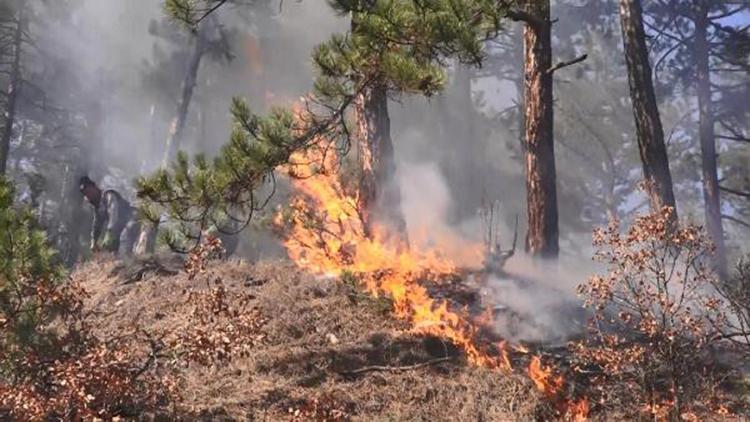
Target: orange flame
point(324, 234)
point(543, 378)
point(552, 386)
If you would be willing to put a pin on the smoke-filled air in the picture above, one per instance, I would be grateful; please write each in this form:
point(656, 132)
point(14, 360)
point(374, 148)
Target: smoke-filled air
point(449, 210)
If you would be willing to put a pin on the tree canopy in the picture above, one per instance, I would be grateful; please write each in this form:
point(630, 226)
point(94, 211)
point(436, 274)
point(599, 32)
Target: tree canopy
point(403, 46)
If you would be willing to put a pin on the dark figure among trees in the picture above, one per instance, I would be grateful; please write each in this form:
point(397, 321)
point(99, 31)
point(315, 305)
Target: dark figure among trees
point(115, 227)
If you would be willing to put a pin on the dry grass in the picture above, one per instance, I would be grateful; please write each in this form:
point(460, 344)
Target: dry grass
point(317, 331)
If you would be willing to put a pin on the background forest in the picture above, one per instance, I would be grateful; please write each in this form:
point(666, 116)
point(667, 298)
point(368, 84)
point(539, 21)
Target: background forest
point(111, 116)
point(450, 123)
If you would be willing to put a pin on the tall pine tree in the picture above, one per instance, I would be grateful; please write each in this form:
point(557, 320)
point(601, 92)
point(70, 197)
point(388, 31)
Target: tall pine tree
point(701, 53)
point(396, 47)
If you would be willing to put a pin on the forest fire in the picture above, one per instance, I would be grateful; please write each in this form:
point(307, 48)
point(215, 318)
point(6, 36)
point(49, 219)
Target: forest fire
point(324, 234)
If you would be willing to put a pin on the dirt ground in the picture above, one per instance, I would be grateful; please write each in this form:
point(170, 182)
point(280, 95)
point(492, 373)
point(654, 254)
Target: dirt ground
point(328, 351)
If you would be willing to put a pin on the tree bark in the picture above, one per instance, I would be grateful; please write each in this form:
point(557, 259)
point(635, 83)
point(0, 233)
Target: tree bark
point(14, 87)
point(711, 194)
point(542, 236)
point(649, 130)
point(379, 194)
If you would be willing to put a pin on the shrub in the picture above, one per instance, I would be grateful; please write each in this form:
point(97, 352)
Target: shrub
point(52, 365)
point(32, 293)
point(655, 320)
point(736, 292)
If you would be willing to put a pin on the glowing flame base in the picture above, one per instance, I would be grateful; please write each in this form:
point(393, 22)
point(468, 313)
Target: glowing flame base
point(324, 234)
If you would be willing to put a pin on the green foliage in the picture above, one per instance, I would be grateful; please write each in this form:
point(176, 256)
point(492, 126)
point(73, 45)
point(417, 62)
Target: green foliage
point(198, 193)
point(191, 12)
point(29, 276)
point(401, 45)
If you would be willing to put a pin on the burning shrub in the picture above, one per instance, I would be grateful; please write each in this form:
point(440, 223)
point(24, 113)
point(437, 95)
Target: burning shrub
point(655, 320)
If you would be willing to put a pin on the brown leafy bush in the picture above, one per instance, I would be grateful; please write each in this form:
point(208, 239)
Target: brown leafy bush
point(69, 373)
point(99, 381)
point(51, 365)
point(325, 408)
point(655, 323)
point(210, 248)
point(222, 326)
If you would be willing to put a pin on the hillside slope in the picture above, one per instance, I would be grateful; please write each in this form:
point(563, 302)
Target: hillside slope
point(326, 350)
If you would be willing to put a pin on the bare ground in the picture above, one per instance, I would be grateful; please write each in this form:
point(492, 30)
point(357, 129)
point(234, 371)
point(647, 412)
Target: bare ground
point(328, 351)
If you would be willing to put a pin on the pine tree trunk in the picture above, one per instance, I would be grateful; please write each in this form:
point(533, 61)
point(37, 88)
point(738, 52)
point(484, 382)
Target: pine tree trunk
point(650, 134)
point(541, 180)
point(146, 242)
point(379, 194)
point(177, 125)
point(14, 87)
point(708, 142)
point(465, 129)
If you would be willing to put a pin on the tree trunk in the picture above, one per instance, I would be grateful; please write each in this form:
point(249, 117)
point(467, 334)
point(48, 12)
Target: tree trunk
point(541, 180)
point(650, 134)
point(177, 125)
point(379, 194)
point(464, 127)
point(146, 242)
point(707, 140)
point(14, 87)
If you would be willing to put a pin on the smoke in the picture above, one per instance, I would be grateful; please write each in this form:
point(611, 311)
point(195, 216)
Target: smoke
point(536, 300)
point(455, 151)
point(533, 300)
point(126, 66)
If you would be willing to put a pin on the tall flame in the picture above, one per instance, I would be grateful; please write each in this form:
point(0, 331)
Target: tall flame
point(324, 234)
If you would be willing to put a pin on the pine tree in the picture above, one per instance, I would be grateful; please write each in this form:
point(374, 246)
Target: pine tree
point(400, 47)
point(15, 45)
point(542, 237)
point(701, 54)
point(647, 121)
point(29, 275)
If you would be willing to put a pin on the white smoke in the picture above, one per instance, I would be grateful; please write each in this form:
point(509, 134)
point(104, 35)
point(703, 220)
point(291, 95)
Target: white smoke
point(534, 301)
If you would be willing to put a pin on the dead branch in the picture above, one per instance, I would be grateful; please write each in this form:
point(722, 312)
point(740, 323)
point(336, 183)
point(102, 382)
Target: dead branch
point(396, 368)
point(744, 224)
point(734, 191)
point(561, 65)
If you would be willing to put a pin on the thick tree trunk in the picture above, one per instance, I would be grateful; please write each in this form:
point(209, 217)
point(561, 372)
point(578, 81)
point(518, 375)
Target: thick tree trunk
point(379, 194)
point(177, 125)
point(650, 134)
point(14, 86)
point(708, 141)
point(541, 180)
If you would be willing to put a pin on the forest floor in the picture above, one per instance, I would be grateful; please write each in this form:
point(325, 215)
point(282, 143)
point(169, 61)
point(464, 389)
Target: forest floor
point(328, 351)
